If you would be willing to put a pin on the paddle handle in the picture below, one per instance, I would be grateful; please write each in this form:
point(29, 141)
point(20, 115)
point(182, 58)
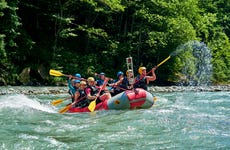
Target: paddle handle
point(164, 61)
point(160, 64)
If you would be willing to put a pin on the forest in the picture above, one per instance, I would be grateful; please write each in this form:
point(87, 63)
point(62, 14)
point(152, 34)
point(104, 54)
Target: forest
point(93, 36)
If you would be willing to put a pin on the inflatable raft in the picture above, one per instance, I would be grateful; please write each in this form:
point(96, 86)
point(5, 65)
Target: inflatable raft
point(129, 99)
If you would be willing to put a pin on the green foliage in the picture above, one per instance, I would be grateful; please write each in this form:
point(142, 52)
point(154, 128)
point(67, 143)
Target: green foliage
point(3, 54)
point(221, 57)
point(3, 5)
point(88, 36)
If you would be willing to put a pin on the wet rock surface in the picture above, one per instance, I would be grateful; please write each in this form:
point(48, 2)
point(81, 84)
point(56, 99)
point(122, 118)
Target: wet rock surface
point(33, 90)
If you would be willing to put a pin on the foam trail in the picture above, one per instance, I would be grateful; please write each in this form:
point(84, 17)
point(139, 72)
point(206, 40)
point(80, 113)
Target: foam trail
point(22, 101)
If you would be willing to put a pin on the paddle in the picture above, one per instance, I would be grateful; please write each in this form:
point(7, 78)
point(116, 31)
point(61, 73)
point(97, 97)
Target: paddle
point(58, 74)
point(160, 64)
point(92, 105)
point(164, 61)
point(59, 101)
point(66, 108)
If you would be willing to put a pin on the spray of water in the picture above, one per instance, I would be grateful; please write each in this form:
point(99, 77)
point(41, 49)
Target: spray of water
point(22, 102)
point(196, 65)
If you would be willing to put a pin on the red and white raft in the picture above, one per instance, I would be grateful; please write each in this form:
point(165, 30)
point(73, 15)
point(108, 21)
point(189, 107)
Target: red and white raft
point(129, 99)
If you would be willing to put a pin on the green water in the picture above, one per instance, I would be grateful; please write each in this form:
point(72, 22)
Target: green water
point(179, 120)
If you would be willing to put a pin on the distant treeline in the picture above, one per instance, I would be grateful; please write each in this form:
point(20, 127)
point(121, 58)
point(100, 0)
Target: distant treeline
point(88, 36)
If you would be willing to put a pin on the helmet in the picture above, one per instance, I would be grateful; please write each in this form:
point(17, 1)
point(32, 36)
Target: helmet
point(83, 83)
point(78, 75)
point(90, 79)
point(140, 69)
point(127, 72)
point(102, 73)
point(119, 73)
point(76, 81)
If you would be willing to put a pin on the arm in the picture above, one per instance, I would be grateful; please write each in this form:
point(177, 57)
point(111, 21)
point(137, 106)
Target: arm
point(117, 83)
point(88, 95)
point(153, 77)
point(70, 85)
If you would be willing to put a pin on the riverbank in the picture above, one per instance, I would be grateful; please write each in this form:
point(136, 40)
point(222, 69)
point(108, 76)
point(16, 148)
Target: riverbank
point(189, 88)
point(28, 90)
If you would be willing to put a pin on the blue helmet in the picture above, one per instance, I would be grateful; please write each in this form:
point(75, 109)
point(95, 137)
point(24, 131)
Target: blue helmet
point(102, 73)
point(119, 73)
point(76, 81)
point(78, 75)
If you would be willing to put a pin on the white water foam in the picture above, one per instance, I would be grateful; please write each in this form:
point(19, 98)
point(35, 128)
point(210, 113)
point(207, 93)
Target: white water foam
point(22, 101)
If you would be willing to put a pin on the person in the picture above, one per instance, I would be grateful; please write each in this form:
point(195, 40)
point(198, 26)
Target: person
point(142, 80)
point(92, 92)
point(101, 79)
point(80, 96)
point(119, 85)
point(73, 84)
point(130, 78)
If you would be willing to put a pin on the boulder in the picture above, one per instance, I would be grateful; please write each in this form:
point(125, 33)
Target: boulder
point(24, 76)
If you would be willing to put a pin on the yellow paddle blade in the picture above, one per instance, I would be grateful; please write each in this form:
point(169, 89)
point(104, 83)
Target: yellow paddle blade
point(164, 61)
point(65, 109)
point(92, 105)
point(56, 102)
point(56, 73)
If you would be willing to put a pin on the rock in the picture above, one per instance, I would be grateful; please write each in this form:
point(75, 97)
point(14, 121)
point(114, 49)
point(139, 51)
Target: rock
point(24, 76)
point(2, 81)
point(43, 72)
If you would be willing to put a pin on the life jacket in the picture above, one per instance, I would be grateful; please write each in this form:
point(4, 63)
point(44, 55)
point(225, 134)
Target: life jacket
point(123, 86)
point(141, 83)
point(94, 90)
point(100, 82)
point(82, 94)
point(82, 101)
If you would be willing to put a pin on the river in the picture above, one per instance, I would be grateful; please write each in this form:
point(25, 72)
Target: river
point(178, 120)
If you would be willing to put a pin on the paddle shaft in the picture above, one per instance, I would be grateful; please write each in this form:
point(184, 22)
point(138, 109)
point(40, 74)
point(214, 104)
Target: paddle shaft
point(102, 87)
point(164, 61)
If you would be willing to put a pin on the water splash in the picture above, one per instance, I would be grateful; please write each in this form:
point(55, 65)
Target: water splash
point(196, 59)
point(22, 102)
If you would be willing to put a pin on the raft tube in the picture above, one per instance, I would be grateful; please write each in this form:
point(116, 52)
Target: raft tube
point(129, 99)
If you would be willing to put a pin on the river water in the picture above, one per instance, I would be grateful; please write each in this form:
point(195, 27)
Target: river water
point(178, 120)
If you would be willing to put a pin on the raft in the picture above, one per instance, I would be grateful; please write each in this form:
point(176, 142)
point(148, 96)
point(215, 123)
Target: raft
point(127, 100)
